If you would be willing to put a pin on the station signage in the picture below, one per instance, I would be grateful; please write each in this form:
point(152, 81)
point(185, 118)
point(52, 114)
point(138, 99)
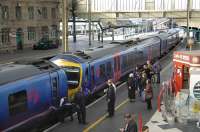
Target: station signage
point(196, 90)
point(182, 57)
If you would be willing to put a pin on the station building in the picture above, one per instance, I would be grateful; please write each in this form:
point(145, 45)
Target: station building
point(23, 23)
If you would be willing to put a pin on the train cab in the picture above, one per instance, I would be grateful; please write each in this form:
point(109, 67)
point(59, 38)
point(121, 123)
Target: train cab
point(73, 69)
point(186, 74)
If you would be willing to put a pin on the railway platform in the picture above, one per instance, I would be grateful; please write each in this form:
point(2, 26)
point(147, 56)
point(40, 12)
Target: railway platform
point(97, 120)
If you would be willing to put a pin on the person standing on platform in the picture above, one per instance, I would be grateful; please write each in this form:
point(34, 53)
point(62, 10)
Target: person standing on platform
point(79, 100)
point(143, 85)
point(150, 69)
point(157, 68)
point(138, 81)
point(148, 94)
point(147, 72)
point(110, 98)
point(65, 106)
point(131, 87)
point(130, 122)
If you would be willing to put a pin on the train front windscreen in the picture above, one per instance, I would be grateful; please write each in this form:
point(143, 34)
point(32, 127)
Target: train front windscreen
point(73, 75)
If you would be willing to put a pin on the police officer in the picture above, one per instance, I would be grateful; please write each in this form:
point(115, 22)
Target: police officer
point(65, 106)
point(131, 87)
point(157, 68)
point(79, 100)
point(110, 98)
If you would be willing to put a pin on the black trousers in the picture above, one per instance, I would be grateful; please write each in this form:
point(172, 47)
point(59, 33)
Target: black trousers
point(131, 93)
point(66, 110)
point(81, 112)
point(149, 105)
point(158, 77)
point(111, 108)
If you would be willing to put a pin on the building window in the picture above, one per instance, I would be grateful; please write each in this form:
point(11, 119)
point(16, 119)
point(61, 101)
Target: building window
point(45, 32)
point(18, 12)
point(54, 32)
point(44, 12)
point(53, 13)
point(17, 102)
point(5, 35)
point(31, 13)
point(4, 14)
point(31, 33)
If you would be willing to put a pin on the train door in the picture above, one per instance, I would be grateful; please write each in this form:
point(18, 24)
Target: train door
point(92, 77)
point(54, 88)
point(87, 86)
point(117, 68)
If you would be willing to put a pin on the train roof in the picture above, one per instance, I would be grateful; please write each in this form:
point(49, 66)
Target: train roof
point(95, 53)
point(164, 35)
point(20, 70)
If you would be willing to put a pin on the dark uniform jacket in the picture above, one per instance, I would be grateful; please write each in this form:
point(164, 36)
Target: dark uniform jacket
point(131, 82)
point(111, 93)
point(79, 99)
point(132, 127)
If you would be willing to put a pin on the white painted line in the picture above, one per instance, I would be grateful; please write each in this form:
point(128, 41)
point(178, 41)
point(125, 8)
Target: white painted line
point(52, 127)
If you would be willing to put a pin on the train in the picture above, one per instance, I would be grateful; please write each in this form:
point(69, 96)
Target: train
point(29, 91)
point(90, 69)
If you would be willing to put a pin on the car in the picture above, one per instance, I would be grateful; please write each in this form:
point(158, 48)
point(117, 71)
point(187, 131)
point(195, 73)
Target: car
point(45, 44)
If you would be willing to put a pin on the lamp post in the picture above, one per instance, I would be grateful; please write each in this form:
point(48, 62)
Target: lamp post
point(65, 26)
point(89, 18)
point(188, 18)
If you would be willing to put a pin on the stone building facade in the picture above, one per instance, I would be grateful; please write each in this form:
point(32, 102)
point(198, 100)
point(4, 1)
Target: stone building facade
point(25, 22)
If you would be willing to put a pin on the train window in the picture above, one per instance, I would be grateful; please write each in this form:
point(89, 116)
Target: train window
point(54, 87)
point(109, 69)
point(130, 60)
point(17, 103)
point(92, 74)
point(73, 76)
point(102, 70)
point(86, 74)
point(125, 62)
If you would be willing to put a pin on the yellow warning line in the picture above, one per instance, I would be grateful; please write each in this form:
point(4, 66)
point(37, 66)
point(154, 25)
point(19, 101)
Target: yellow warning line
point(104, 117)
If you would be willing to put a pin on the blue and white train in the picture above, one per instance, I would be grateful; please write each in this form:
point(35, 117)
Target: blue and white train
point(90, 69)
point(28, 91)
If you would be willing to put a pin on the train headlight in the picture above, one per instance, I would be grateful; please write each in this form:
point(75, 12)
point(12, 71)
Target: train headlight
point(195, 60)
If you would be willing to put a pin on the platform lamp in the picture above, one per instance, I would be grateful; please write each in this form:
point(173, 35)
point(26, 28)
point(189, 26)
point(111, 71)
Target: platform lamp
point(89, 19)
point(65, 25)
point(188, 30)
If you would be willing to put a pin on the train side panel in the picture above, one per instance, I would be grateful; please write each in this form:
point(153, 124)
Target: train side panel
point(28, 100)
